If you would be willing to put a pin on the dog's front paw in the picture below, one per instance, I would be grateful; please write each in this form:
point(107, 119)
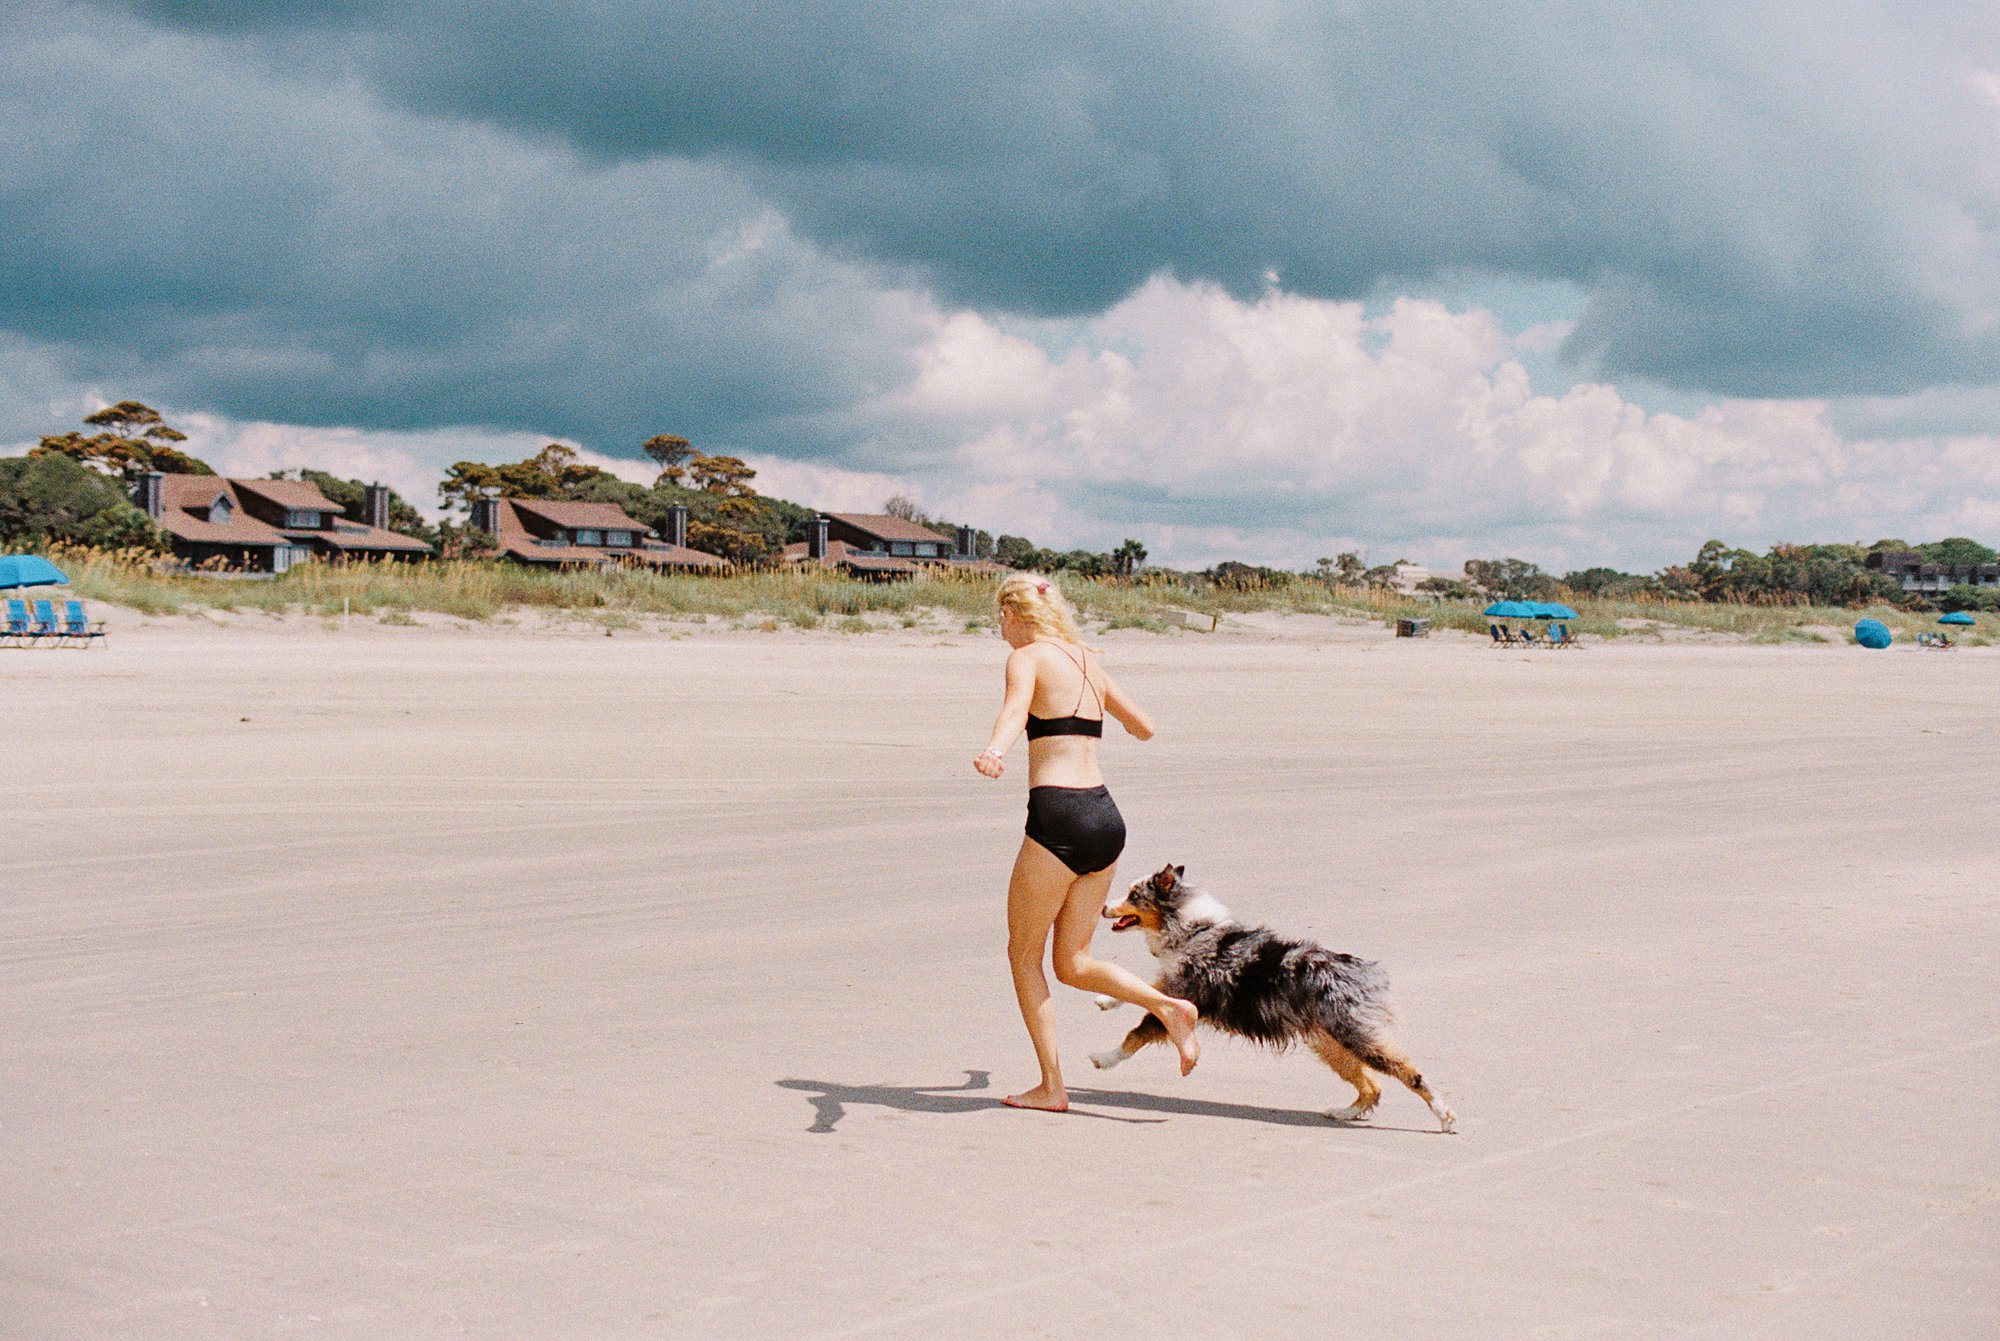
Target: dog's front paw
point(1447, 1120)
point(1351, 1113)
point(1107, 1002)
point(1104, 1061)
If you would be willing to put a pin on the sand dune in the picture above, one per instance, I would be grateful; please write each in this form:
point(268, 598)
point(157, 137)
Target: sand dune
point(420, 983)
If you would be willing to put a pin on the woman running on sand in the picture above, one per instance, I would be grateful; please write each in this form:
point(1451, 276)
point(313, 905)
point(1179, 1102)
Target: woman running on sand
point(1057, 690)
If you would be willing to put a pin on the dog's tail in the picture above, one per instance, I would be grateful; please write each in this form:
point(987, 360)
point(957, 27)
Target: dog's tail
point(1355, 992)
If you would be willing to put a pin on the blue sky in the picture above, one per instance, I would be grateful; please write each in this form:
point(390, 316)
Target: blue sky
point(1579, 282)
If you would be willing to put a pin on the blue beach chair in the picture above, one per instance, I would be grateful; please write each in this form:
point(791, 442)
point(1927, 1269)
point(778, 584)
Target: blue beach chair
point(75, 625)
point(17, 623)
point(44, 624)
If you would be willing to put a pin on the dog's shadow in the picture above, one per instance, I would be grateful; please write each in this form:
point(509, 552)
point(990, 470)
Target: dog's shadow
point(830, 1102)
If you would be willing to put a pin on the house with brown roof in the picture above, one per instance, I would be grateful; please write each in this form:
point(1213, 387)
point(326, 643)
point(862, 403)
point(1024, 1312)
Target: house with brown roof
point(266, 526)
point(555, 533)
point(885, 547)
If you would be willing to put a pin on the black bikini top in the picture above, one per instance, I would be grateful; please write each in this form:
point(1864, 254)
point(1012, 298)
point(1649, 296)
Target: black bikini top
point(1071, 725)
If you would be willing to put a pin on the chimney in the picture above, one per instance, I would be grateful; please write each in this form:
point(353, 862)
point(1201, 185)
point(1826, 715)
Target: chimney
point(151, 494)
point(816, 538)
point(967, 548)
point(486, 515)
point(677, 525)
point(375, 507)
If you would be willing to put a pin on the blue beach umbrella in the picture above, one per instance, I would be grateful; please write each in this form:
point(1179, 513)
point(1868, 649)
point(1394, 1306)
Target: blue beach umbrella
point(29, 570)
point(1957, 617)
point(1511, 610)
point(1553, 610)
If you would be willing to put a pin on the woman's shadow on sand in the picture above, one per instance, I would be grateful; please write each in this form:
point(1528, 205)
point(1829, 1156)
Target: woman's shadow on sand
point(830, 1102)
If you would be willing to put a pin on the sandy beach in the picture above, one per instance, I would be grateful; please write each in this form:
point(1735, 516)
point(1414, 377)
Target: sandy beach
point(363, 981)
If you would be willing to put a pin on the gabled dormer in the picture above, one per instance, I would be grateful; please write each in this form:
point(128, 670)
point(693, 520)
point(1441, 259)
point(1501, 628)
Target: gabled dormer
point(290, 505)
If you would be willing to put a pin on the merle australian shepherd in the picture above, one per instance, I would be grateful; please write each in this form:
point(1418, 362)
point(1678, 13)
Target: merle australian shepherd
point(1268, 988)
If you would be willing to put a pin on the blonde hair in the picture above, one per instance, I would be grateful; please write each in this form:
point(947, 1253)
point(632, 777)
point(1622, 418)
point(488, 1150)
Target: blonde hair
point(1038, 602)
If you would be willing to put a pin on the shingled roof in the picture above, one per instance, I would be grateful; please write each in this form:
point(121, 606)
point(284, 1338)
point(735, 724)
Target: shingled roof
point(183, 496)
point(586, 516)
point(296, 495)
point(886, 527)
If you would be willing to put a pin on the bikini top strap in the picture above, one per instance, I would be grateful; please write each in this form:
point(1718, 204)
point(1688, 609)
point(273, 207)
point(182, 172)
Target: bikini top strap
point(1083, 668)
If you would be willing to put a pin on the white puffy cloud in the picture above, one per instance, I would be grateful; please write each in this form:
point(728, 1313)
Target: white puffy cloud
point(1282, 427)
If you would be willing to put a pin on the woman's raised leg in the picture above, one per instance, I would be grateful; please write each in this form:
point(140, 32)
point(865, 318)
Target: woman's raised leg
point(1075, 967)
point(1035, 895)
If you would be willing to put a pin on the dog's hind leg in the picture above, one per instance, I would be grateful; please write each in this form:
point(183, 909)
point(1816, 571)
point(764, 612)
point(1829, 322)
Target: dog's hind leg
point(1148, 1030)
point(1349, 1068)
point(1390, 1060)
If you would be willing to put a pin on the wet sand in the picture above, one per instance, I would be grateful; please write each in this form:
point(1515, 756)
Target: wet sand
point(410, 983)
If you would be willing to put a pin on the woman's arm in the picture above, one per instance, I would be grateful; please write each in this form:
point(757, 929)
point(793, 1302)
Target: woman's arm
point(1013, 713)
point(1129, 714)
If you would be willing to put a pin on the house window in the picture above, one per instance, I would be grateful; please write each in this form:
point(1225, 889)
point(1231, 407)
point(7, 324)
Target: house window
point(618, 539)
point(284, 556)
point(304, 521)
point(589, 537)
point(219, 510)
point(901, 547)
point(552, 542)
point(927, 551)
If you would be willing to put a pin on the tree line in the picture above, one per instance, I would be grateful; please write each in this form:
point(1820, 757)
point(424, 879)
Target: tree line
point(75, 487)
point(1786, 574)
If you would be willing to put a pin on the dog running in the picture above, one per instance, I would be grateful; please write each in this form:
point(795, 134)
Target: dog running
point(1271, 989)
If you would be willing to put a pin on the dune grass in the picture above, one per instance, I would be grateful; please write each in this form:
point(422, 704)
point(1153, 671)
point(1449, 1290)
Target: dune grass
point(815, 598)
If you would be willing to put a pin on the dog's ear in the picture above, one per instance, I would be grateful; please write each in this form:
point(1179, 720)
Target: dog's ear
point(1179, 871)
point(1167, 877)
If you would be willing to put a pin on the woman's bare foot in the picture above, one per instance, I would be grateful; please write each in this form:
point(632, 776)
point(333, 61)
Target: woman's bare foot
point(1180, 1018)
point(1041, 1098)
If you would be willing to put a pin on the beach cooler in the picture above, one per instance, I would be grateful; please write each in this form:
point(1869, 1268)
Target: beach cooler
point(1413, 628)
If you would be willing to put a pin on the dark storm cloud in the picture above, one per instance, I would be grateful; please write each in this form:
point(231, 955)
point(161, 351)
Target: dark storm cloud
point(1763, 199)
point(207, 229)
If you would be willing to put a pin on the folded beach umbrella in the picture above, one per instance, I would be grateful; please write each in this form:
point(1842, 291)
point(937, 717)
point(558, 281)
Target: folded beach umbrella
point(1957, 617)
point(29, 570)
point(1871, 633)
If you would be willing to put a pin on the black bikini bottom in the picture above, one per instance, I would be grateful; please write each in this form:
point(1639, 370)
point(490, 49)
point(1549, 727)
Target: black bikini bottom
point(1081, 825)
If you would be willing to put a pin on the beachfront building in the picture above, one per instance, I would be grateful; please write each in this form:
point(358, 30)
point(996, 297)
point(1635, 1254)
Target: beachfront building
point(1409, 578)
point(266, 526)
point(558, 534)
point(885, 547)
point(1916, 573)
